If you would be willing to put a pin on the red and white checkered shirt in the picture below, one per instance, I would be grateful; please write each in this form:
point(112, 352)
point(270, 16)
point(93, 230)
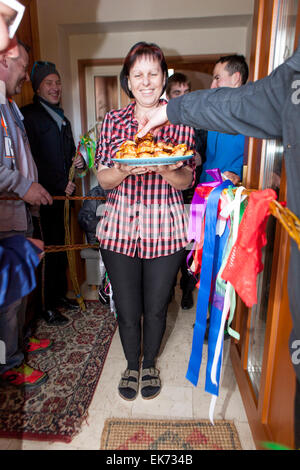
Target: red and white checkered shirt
point(144, 215)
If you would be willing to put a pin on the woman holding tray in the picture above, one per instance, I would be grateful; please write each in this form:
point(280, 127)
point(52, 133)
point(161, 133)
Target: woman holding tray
point(143, 233)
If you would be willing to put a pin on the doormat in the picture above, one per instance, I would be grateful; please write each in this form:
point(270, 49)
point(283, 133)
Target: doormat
point(56, 410)
point(141, 434)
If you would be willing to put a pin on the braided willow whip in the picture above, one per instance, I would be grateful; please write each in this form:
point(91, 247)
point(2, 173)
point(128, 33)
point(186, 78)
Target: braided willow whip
point(70, 253)
point(287, 218)
point(70, 247)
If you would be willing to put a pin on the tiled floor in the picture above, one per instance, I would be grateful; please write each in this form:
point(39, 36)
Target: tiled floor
point(179, 399)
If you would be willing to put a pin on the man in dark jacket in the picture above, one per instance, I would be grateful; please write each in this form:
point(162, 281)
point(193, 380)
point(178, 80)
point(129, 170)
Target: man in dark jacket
point(52, 145)
point(266, 109)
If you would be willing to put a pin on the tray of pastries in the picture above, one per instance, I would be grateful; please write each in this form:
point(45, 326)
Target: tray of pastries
point(144, 151)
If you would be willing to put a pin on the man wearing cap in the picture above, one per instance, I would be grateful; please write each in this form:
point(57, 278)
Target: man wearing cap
point(52, 145)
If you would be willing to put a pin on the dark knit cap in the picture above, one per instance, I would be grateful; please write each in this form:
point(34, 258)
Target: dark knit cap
point(41, 70)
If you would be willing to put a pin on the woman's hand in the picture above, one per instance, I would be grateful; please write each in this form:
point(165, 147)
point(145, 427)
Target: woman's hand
point(110, 178)
point(164, 169)
point(130, 170)
point(177, 175)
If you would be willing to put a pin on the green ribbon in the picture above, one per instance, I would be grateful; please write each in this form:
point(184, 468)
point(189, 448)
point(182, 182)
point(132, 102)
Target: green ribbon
point(89, 142)
point(220, 283)
point(90, 147)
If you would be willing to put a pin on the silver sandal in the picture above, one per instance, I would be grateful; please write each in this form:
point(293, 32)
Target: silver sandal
point(127, 388)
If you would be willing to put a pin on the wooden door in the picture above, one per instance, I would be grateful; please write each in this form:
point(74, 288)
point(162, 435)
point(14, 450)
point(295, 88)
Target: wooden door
point(261, 361)
point(28, 33)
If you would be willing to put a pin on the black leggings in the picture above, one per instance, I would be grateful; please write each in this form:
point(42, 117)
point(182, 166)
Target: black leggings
point(141, 287)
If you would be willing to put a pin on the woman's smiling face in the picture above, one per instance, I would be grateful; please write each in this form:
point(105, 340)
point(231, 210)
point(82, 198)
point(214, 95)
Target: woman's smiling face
point(146, 81)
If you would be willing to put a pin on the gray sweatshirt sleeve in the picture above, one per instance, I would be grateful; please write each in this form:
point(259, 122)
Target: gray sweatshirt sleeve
point(252, 110)
point(13, 181)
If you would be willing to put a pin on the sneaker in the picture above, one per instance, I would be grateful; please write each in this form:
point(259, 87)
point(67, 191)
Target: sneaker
point(24, 376)
point(103, 297)
point(36, 345)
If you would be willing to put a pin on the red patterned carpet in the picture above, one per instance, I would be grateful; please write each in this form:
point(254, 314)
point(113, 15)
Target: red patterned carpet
point(56, 410)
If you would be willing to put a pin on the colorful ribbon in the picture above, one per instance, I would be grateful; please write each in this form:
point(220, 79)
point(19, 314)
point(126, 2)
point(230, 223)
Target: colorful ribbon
point(198, 205)
point(212, 251)
point(215, 295)
point(90, 147)
point(208, 264)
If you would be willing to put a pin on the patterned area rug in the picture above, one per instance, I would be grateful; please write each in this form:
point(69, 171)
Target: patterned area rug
point(141, 434)
point(56, 410)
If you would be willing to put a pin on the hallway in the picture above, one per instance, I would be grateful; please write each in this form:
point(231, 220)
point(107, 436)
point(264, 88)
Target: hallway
point(179, 399)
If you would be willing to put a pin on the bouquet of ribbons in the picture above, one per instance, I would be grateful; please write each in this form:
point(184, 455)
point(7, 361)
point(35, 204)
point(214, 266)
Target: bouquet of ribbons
point(224, 237)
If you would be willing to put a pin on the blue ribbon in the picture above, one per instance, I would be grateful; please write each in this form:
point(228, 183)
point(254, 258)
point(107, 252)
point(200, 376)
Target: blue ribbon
point(208, 263)
point(215, 317)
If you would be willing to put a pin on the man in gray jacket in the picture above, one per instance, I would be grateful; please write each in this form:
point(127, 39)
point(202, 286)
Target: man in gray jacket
point(18, 177)
point(266, 109)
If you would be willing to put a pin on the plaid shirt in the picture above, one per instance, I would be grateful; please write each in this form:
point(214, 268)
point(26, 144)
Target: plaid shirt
point(144, 215)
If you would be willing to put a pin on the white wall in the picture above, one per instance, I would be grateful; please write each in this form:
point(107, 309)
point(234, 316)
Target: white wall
point(76, 29)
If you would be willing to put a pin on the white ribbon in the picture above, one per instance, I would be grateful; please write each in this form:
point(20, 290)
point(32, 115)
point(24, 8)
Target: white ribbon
point(235, 207)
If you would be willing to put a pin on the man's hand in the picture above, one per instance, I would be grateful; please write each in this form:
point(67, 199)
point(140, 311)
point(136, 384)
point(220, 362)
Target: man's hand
point(156, 119)
point(232, 177)
point(37, 195)
point(79, 162)
point(39, 244)
point(70, 188)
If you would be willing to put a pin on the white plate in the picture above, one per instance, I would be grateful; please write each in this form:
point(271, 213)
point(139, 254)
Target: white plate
point(153, 161)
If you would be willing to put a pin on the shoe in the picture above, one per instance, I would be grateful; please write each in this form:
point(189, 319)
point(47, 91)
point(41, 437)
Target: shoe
point(24, 376)
point(36, 345)
point(129, 384)
point(187, 300)
point(54, 317)
point(69, 304)
point(103, 297)
point(150, 383)
point(206, 335)
point(226, 335)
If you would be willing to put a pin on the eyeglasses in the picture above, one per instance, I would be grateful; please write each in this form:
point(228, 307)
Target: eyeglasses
point(40, 63)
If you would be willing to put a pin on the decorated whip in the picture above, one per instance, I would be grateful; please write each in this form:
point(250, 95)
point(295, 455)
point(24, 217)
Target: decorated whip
point(87, 143)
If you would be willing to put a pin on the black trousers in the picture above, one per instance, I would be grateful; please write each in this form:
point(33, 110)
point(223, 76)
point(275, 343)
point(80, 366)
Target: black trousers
point(141, 287)
point(52, 283)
